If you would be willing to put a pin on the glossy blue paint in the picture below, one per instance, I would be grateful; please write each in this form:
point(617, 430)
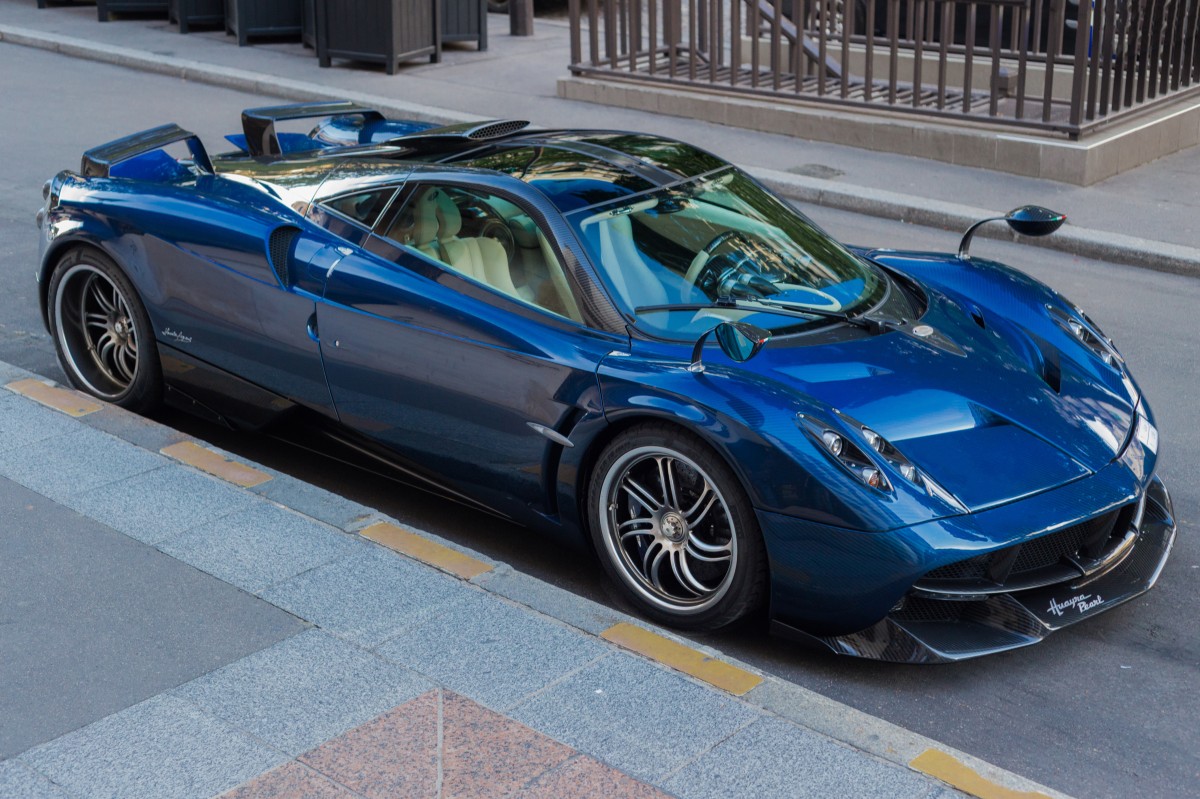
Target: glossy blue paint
point(247, 274)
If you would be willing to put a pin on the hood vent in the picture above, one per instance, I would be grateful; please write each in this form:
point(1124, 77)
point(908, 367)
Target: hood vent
point(455, 137)
point(497, 130)
point(1049, 365)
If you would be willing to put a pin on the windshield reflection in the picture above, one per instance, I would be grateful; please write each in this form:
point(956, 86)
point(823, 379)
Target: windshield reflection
point(717, 237)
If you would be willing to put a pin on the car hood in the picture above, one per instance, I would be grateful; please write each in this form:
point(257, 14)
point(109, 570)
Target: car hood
point(993, 403)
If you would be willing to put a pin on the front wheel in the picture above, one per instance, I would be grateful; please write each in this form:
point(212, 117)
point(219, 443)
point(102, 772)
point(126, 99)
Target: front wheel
point(101, 331)
point(675, 530)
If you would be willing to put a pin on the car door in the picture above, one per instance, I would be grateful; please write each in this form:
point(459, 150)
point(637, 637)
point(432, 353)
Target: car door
point(472, 384)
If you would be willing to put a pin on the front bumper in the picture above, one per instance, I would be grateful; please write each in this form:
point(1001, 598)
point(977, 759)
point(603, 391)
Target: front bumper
point(928, 628)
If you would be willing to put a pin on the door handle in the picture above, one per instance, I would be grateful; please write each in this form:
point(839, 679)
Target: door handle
point(312, 329)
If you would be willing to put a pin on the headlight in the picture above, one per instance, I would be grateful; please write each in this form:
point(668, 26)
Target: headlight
point(1085, 331)
point(866, 462)
point(848, 454)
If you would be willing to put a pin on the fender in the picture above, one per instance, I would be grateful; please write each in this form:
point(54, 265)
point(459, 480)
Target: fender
point(755, 430)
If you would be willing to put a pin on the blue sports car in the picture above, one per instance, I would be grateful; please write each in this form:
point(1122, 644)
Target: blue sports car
point(629, 342)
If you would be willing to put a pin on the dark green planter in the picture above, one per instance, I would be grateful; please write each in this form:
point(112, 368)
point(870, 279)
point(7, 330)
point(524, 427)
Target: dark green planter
point(106, 7)
point(465, 21)
point(308, 24)
point(187, 13)
point(246, 18)
point(380, 31)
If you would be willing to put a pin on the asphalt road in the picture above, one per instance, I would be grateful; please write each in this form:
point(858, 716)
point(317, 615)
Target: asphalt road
point(1105, 709)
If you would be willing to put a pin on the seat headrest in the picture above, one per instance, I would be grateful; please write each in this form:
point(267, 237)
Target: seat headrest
point(448, 216)
point(425, 218)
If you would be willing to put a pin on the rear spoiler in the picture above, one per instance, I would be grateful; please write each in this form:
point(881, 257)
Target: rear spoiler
point(99, 161)
point(259, 123)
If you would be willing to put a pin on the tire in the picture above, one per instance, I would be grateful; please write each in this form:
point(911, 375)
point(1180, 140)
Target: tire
point(689, 555)
point(498, 6)
point(101, 331)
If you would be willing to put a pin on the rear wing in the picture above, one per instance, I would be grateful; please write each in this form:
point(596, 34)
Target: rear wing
point(99, 161)
point(258, 124)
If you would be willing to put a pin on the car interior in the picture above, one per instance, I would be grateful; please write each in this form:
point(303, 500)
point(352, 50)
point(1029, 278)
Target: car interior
point(487, 239)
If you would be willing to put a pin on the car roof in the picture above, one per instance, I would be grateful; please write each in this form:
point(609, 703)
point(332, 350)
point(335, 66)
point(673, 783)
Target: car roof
point(574, 169)
point(583, 168)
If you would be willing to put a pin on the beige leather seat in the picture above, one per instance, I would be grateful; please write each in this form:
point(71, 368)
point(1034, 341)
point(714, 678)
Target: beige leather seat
point(435, 223)
point(481, 259)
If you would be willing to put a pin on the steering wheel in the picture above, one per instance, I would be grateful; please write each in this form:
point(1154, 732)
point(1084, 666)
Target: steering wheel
point(697, 271)
point(495, 229)
point(696, 267)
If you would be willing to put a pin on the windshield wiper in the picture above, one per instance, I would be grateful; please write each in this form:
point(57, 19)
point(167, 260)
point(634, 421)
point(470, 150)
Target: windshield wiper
point(870, 324)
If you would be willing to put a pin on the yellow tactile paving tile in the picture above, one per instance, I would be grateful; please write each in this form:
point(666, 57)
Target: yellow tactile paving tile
point(214, 463)
point(415, 546)
point(69, 402)
point(951, 770)
point(715, 672)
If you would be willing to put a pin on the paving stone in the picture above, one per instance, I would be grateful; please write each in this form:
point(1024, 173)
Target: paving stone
point(584, 777)
point(260, 546)
point(23, 422)
point(290, 781)
point(394, 754)
point(76, 461)
point(486, 755)
point(492, 651)
point(92, 621)
point(10, 373)
point(303, 691)
point(312, 501)
point(368, 596)
point(634, 715)
point(163, 748)
point(772, 757)
point(128, 426)
point(19, 780)
point(558, 602)
point(157, 505)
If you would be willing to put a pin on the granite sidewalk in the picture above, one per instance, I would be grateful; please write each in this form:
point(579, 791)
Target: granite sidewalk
point(408, 666)
point(1148, 217)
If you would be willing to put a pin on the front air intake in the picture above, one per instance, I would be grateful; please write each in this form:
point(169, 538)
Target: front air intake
point(279, 249)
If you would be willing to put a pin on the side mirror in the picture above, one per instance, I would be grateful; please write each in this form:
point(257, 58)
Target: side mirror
point(1033, 220)
point(1028, 220)
point(738, 340)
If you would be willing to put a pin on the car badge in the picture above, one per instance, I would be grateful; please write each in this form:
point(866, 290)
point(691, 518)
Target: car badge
point(1081, 603)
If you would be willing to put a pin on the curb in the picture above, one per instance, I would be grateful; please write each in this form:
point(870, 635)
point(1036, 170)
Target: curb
point(860, 731)
point(1084, 242)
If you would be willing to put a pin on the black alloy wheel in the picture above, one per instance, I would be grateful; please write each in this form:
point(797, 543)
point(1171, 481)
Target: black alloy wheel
point(675, 530)
point(101, 331)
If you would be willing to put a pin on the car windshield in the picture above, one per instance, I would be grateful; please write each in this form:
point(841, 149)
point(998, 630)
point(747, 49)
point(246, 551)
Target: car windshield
point(717, 237)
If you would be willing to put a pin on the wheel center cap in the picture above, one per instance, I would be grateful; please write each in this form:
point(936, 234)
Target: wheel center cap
point(674, 528)
point(119, 328)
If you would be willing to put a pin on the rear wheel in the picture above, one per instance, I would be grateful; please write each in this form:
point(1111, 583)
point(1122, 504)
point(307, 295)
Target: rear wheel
point(675, 530)
point(101, 331)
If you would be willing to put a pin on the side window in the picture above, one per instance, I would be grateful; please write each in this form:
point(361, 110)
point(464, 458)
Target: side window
point(363, 207)
point(487, 239)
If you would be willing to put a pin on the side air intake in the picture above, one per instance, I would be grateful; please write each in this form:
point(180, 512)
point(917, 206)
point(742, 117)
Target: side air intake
point(279, 248)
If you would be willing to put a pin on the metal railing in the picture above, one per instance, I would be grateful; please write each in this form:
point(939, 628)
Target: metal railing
point(1066, 66)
